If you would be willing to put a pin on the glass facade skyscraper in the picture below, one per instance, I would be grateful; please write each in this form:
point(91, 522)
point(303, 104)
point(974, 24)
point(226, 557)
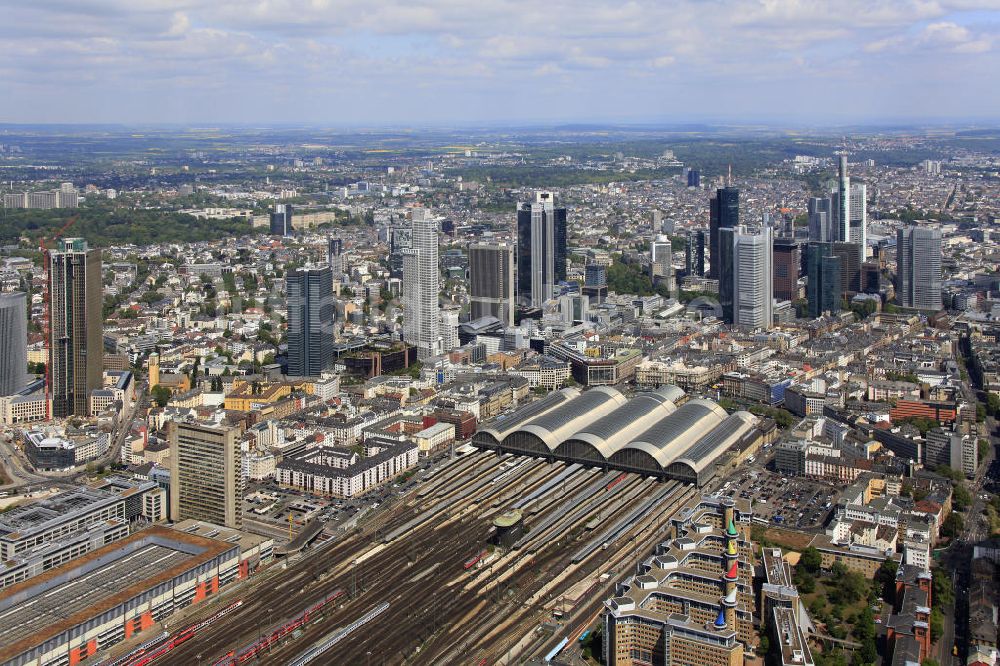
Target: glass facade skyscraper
point(310, 321)
point(724, 213)
point(918, 267)
point(76, 322)
point(823, 275)
point(541, 249)
point(491, 281)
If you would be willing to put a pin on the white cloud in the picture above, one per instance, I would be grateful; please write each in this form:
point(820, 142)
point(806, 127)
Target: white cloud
point(750, 52)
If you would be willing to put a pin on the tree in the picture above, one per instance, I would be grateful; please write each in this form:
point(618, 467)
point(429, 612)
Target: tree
point(161, 395)
point(886, 576)
point(960, 498)
point(811, 560)
point(937, 624)
point(942, 592)
point(952, 525)
point(993, 403)
point(868, 653)
point(806, 583)
point(984, 450)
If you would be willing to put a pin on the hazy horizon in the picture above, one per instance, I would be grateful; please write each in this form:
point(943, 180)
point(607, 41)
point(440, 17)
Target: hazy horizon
point(500, 63)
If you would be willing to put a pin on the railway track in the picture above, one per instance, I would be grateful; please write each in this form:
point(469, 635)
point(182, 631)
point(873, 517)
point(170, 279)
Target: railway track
point(437, 610)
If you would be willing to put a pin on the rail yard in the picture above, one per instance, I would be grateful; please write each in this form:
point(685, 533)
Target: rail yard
point(427, 583)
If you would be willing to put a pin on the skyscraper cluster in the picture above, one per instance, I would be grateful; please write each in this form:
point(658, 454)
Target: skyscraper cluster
point(842, 217)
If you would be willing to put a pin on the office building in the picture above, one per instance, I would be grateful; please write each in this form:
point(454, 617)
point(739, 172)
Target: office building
point(871, 277)
point(753, 276)
point(449, 327)
point(823, 279)
point(692, 600)
point(491, 281)
point(722, 261)
point(421, 285)
point(14, 351)
point(724, 213)
point(76, 321)
point(841, 199)
point(400, 240)
point(206, 480)
point(61, 198)
point(918, 267)
point(694, 178)
point(787, 262)
point(310, 320)
point(850, 268)
point(281, 220)
point(661, 249)
point(694, 253)
point(335, 257)
point(541, 249)
point(858, 228)
point(820, 220)
point(74, 613)
point(595, 283)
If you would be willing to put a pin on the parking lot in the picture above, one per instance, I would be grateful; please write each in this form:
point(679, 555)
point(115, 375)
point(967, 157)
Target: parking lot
point(789, 502)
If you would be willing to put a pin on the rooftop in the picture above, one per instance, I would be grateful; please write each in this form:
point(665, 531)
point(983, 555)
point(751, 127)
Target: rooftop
point(33, 611)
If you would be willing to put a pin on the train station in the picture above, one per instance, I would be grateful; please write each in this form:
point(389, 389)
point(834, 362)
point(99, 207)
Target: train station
point(658, 434)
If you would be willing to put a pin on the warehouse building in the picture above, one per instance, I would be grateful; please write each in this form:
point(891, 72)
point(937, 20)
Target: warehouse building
point(68, 614)
point(648, 434)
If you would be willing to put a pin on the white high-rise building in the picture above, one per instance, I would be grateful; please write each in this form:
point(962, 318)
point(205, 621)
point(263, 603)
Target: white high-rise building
point(421, 321)
point(753, 278)
point(661, 250)
point(842, 202)
point(859, 217)
point(449, 327)
point(918, 267)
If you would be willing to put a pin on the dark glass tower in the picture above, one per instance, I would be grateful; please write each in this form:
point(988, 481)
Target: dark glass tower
point(76, 349)
point(823, 287)
point(310, 321)
point(694, 253)
point(281, 220)
point(724, 213)
point(786, 269)
point(850, 267)
point(541, 249)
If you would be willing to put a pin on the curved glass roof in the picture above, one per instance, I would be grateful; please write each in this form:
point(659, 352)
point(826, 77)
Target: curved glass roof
point(708, 447)
point(687, 415)
point(506, 424)
point(635, 409)
point(577, 408)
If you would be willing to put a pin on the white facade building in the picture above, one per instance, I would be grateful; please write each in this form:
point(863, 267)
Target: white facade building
point(421, 323)
point(753, 279)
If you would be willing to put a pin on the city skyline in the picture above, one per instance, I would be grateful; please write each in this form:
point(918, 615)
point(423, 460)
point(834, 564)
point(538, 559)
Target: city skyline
point(443, 63)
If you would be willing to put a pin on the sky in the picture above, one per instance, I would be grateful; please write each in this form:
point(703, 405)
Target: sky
point(454, 62)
